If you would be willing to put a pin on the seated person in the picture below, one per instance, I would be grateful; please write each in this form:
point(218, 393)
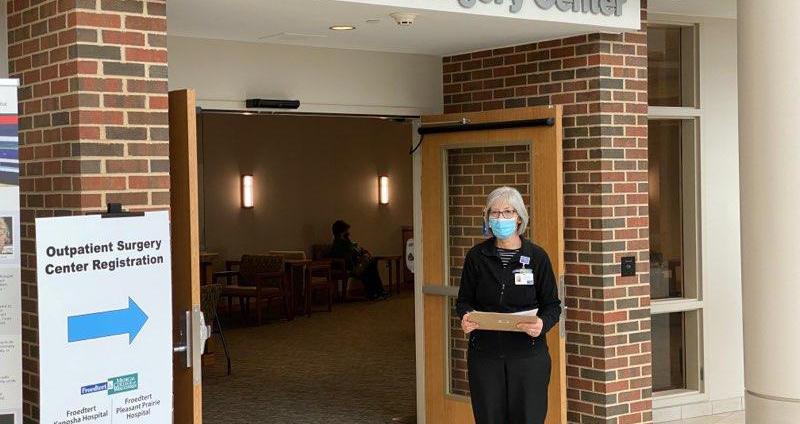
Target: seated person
point(358, 261)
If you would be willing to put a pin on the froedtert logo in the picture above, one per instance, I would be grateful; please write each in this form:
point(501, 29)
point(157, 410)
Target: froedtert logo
point(122, 384)
point(595, 7)
point(94, 388)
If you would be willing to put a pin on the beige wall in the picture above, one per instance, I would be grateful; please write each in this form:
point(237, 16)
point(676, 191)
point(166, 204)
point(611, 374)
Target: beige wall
point(308, 171)
point(225, 73)
point(770, 181)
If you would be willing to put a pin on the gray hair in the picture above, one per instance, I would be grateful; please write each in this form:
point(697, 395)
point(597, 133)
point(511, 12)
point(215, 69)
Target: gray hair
point(510, 196)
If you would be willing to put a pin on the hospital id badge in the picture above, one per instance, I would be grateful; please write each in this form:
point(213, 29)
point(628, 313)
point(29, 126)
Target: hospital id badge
point(523, 277)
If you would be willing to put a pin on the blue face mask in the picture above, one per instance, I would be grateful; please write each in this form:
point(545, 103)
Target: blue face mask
point(503, 228)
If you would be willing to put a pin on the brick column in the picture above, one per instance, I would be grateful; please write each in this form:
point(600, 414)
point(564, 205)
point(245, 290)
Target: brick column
point(93, 122)
point(601, 79)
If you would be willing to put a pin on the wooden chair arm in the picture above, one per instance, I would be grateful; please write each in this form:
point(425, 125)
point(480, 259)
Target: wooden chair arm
point(321, 268)
point(321, 264)
point(284, 285)
point(263, 277)
point(224, 274)
point(273, 274)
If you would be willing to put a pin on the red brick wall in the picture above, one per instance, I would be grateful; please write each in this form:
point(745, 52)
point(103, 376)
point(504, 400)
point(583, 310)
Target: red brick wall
point(601, 79)
point(93, 121)
point(472, 173)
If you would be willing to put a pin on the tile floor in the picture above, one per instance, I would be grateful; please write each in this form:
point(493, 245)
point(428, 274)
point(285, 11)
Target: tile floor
point(729, 418)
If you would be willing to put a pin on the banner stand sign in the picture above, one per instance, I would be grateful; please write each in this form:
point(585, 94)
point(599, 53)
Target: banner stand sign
point(105, 318)
point(10, 282)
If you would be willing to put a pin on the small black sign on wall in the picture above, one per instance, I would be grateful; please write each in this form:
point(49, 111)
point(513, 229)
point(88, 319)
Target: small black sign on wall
point(628, 266)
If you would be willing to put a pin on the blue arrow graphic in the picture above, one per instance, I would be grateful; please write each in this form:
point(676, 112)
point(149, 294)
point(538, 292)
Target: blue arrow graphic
point(105, 324)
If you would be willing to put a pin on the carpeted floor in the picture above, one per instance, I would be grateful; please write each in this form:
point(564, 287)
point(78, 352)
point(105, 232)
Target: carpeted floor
point(354, 365)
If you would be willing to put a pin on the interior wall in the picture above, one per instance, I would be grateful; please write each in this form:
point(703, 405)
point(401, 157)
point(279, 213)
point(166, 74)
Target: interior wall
point(308, 172)
point(226, 73)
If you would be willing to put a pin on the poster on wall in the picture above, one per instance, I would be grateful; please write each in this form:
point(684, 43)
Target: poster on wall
point(10, 282)
point(105, 318)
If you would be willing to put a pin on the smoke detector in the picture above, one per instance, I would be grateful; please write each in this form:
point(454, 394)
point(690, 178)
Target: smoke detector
point(404, 19)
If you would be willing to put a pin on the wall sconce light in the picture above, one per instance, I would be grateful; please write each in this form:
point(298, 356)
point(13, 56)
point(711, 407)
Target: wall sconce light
point(247, 191)
point(383, 193)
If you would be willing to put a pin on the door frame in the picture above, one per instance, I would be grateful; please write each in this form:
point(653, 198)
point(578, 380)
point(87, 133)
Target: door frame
point(187, 369)
point(430, 296)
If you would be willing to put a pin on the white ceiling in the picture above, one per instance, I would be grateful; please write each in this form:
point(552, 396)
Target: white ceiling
point(710, 8)
point(434, 33)
point(306, 22)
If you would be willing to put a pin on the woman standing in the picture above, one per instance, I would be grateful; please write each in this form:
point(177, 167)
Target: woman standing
point(508, 371)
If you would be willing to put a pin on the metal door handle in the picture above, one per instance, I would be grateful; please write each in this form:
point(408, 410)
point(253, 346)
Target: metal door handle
point(192, 337)
point(184, 346)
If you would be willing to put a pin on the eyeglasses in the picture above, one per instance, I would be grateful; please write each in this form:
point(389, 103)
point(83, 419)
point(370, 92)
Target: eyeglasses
point(508, 213)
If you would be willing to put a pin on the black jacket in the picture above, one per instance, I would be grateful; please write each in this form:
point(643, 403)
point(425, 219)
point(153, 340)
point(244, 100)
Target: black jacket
point(487, 286)
point(344, 249)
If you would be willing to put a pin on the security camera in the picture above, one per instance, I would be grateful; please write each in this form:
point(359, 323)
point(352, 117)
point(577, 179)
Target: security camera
point(404, 19)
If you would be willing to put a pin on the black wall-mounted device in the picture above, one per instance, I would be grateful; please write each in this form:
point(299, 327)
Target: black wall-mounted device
point(272, 104)
point(628, 266)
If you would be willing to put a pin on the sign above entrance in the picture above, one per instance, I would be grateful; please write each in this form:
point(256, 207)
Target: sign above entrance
point(105, 318)
point(596, 7)
point(568, 16)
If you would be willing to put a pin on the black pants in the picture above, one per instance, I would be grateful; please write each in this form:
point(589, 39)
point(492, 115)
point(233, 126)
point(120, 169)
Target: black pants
point(509, 391)
point(373, 286)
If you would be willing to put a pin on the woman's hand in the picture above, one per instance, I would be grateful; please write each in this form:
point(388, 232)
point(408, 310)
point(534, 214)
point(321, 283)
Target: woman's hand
point(533, 329)
point(467, 325)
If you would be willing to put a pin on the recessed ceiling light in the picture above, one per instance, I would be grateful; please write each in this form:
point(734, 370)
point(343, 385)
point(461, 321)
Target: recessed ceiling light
point(373, 21)
point(342, 28)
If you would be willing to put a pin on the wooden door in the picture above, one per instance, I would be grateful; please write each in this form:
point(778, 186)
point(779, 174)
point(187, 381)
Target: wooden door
point(459, 168)
point(185, 256)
